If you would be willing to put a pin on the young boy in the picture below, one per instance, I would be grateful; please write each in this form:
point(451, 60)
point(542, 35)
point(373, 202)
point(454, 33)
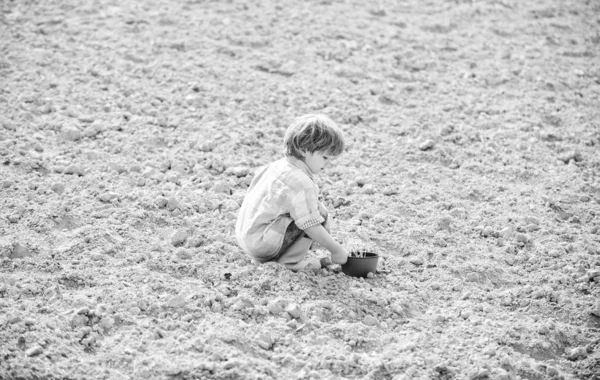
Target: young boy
point(281, 215)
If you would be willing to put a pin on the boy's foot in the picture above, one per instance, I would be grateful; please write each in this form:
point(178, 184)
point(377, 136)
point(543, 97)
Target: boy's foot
point(307, 265)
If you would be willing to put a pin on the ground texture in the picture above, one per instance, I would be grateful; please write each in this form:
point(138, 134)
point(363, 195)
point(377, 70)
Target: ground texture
point(129, 132)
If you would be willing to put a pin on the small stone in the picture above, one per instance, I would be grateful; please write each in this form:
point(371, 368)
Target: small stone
point(74, 169)
point(275, 307)
point(532, 220)
point(177, 301)
point(390, 191)
point(473, 277)
point(35, 350)
point(265, 341)
point(71, 133)
point(183, 254)
point(294, 310)
point(361, 181)
point(161, 202)
point(173, 204)
point(570, 155)
point(440, 242)
point(108, 196)
point(522, 238)
point(368, 189)
point(58, 188)
point(239, 171)
point(418, 261)
point(19, 251)
point(221, 187)
point(577, 353)
point(551, 371)
point(487, 231)
point(370, 275)
point(179, 237)
point(444, 223)
point(426, 145)
point(107, 323)
point(207, 146)
point(369, 320)
point(230, 205)
point(97, 256)
point(593, 273)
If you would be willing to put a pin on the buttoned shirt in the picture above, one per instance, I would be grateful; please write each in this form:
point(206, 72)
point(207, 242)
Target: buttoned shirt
point(280, 193)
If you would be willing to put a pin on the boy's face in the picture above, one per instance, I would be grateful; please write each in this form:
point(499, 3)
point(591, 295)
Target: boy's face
point(316, 161)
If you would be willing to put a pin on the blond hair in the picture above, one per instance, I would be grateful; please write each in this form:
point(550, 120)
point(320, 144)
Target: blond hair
point(313, 133)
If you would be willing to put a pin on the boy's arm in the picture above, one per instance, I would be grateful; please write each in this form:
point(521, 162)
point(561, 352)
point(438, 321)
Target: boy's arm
point(318, 233)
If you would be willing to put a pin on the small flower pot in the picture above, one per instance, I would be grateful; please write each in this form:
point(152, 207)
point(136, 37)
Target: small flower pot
point(361, 266)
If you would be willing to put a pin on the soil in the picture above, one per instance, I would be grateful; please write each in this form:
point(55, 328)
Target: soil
point(130, 130)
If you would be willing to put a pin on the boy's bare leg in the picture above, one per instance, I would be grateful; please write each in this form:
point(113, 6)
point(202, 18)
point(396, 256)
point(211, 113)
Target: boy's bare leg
point(293, 258)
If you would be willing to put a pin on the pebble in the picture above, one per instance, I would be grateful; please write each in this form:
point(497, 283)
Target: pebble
point(294, 310)
point(265, 341)
point(368, 189)
point(487, 231)
point(173, 204)
point(369, 320)
point(239, 171)
point(570, 155)
point(183, 254)
point(427, 144)
point(221, 187)
point(20, 251)
point(207, 146)
point(417, 261)
point(522, 238)
point(108, 196)
point(361, 181)
point(390, 191)
point(58, 188)
point(276, 307)
point(444, 223)
point(97, 256)
point(577, 353)
point(74, 169)
point(71, 133)
point(593, 273)
point(35, 350)
point(177, 301)
point(161, 202)
point(440, 242)
point(179, 237)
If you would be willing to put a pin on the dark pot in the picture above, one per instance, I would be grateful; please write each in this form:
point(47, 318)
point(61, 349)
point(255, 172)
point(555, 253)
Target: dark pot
point(361, 266)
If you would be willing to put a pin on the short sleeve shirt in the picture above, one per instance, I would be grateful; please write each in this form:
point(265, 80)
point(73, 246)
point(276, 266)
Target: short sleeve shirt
point(280, 193)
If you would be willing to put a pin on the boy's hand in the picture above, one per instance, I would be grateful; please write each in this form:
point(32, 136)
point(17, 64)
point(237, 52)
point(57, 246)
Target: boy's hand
point(340, 257)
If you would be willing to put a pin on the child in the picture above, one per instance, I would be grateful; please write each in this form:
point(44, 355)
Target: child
point(281, 216)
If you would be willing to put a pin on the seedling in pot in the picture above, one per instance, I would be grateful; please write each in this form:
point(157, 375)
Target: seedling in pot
point(362, 259)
